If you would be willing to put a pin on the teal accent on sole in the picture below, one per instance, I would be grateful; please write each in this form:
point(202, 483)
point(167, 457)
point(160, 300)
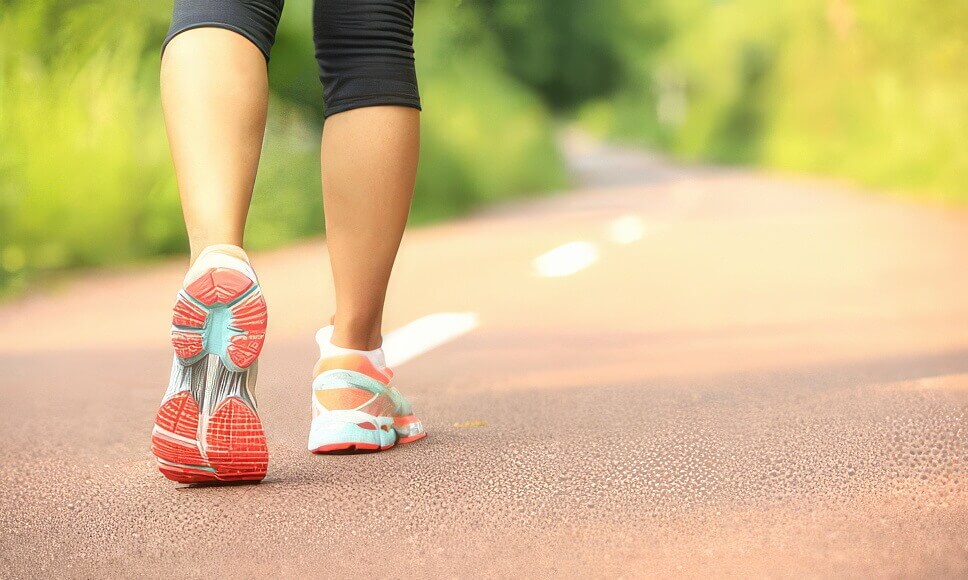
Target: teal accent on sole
point(218, 332)
point(337, 436)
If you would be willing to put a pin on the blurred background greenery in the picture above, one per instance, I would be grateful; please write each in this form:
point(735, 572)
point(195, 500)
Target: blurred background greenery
point(871, 90)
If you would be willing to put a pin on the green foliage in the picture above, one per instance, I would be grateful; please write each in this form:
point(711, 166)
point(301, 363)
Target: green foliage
point(874, 90)
point(567, 50)
point(84, 168)
point(85, 174)
point(871, 90)
point(483, 134)
point(890, 106)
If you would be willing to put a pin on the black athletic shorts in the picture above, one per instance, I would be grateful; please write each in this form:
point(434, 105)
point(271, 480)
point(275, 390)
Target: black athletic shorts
point(364, 48)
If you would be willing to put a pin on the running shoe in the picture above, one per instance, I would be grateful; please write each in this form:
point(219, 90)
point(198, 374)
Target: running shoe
point(207, 428)
point(356, 409)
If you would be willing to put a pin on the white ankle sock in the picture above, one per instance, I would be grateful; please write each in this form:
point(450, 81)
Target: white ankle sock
point(220, 256)
point(324, 337)
point(228, 249)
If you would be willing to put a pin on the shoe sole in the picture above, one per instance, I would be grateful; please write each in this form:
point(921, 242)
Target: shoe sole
point(207, 429)
point(380, 434)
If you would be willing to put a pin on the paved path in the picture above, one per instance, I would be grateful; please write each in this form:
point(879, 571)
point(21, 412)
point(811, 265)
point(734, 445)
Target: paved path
point(716, 371)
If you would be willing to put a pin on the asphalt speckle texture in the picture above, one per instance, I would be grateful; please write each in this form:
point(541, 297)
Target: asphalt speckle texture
point(773, 381)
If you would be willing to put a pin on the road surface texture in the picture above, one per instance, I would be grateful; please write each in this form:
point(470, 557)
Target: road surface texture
point(729, 373)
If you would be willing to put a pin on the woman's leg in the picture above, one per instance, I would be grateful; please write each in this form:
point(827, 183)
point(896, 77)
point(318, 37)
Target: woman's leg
point(215, 111)
point(369, 152)
point(369, 163)
point(214, 95)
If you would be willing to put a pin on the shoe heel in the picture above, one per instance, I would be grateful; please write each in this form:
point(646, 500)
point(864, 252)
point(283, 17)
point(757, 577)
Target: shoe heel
point(235, 442)
point(173, 441)
point(409, 429)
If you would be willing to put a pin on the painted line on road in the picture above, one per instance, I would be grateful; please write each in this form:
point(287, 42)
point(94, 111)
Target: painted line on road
point(426, 333)
point(626, 229)
point(566, 259)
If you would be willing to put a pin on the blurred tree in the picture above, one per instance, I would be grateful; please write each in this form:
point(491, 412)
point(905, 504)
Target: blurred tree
point(569, 51)
point(874, 90)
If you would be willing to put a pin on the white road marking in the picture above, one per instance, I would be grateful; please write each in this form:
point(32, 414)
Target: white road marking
point(424, 334)
point(566, 259)
point(626, 229)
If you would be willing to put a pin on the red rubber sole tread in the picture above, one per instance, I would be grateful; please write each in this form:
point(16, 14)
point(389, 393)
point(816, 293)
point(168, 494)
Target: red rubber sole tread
point(219, 285)
point(411, 439)
point(179, 415)
point(249, 316)
point(240, 452)
point(236, 443)
point(187, 344)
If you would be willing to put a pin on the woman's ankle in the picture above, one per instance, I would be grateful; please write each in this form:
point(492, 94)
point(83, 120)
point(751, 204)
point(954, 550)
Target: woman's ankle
point(356, 334)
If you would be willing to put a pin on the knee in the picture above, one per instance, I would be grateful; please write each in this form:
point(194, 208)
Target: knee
point(364, 49)
point(256, 20)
